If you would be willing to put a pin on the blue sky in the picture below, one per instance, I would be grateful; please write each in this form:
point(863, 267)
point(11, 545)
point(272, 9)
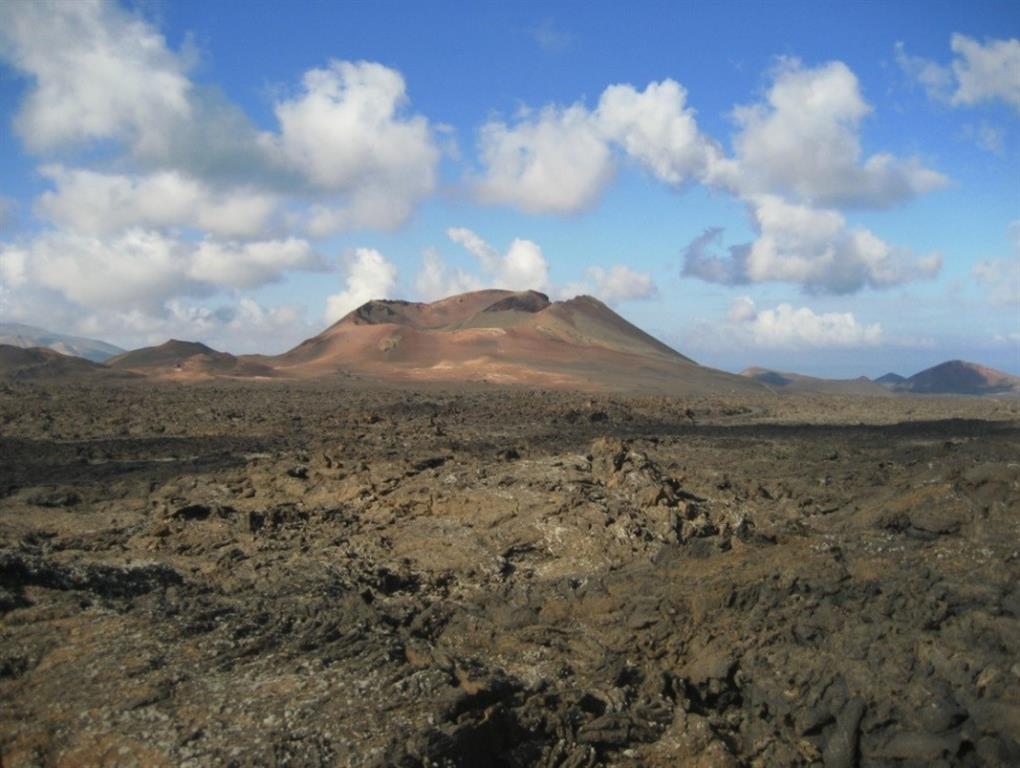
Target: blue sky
point(820, 187)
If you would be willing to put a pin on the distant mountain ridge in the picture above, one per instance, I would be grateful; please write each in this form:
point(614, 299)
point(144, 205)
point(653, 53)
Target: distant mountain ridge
point(953, 377)
point(43, 364)
point(489, 336)
point(28, 336)
point(782, 381)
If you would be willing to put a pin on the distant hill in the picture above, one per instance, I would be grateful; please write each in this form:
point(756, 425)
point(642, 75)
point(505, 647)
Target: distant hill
point(27, 336)
point(782, 381)
point(187, 360)
point(504, 337)
point(955, 377)
point(43, 364)
point(890, 380)
point(959, 377)
point(170, 353)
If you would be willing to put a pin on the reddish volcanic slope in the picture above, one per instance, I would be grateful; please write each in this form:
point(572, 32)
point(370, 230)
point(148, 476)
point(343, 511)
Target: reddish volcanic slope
point(504, 337)
point(958, 377)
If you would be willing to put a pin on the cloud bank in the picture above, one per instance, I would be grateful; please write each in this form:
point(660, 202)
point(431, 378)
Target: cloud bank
point(813, 248)
point(188, 200)
point(194, 200)
point(797, 162)
point(787, 327)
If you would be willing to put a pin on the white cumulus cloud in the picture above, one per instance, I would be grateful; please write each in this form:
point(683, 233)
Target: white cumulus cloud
point(797, 161)
point(613, 285)
point(370, 275)
point(523, 266)
point(986, 72)
point(249, 265)
point(94, 203)
point(555, 160)
point(979, 72)
point(345, 132)
point(656, 128)
point(803, 141)
point(560, 159)
point(788, 327)
point(186, 197)
point(145, 268)
point(814, 248)
point(97, 72)
point(817, 249)
point(436, 280)
point(136, 268)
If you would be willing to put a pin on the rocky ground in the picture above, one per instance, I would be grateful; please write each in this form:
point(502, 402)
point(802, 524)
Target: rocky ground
point(271, 574)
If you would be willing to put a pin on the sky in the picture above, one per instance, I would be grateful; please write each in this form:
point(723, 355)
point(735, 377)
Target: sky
point(826, 188)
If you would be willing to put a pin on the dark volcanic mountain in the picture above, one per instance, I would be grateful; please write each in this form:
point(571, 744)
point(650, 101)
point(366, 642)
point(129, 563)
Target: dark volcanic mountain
point(504, 337)
point(795, 382)
point(27, 336)
point(958, 377)
point(187, 360)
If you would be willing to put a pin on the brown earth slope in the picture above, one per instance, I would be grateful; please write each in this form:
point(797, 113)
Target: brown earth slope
point(504, 337)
